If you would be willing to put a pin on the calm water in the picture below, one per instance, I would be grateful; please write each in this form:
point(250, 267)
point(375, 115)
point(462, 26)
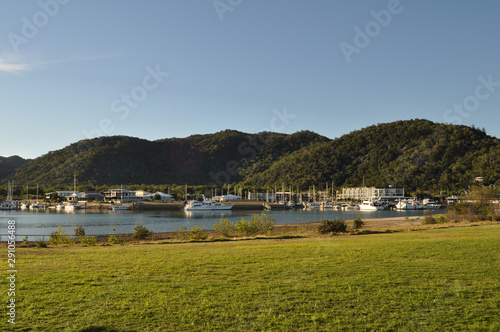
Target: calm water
point(35, 224)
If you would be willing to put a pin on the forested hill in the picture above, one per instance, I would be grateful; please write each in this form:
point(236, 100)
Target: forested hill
point(417, 154)
point(9, 164)
point(198, 159)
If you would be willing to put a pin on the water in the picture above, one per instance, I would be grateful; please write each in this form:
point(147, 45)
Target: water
point(39, 224)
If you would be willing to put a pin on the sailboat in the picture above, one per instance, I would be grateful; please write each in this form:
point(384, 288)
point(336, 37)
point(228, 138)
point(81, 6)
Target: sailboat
point(37, 205)
point(73, 205)
point(120, 207)
point(9, 203)
point(26, 205)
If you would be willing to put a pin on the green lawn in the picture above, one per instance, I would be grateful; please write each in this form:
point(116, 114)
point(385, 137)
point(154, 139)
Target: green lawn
point(442, 279)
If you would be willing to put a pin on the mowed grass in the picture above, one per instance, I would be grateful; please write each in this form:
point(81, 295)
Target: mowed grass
point(434, 280)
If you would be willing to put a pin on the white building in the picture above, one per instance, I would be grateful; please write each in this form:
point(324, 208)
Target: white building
point(226, 198)
point(65, 195)
point(364, 193)
point(164, 197)
point(116, 195)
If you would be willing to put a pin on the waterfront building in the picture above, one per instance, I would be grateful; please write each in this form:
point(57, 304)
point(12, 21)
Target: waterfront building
point(376, 193)
point(120, 196)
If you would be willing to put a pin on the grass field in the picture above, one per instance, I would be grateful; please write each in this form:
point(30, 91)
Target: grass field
point(433, 280)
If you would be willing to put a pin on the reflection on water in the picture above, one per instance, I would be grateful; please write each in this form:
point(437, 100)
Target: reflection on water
point(43, 222)
point(208, 214)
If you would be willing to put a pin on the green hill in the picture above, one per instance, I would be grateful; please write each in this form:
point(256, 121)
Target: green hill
point(198, 159)
point(9, 164)
point(416, 154)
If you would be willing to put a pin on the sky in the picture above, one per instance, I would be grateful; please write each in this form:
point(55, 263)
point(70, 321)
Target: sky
point(72, 70)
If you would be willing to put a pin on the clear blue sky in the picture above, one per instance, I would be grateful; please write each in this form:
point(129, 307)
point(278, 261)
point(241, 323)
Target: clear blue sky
point(71, 70)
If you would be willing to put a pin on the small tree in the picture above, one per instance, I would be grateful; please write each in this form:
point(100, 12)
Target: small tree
point(157, 197)
point(60, 237)
point(428, 218)
point(141, 232)
point(79, 231)
point(224, 227)
point(332, 226)
point(358, 223)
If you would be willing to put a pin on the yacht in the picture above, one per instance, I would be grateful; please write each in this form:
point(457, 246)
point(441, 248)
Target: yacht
point(206, 206)
point(9, 203)
point(367, 206)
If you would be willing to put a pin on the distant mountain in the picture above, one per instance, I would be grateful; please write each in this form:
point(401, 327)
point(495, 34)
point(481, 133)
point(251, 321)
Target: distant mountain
point(9, 164)
point(416, 154)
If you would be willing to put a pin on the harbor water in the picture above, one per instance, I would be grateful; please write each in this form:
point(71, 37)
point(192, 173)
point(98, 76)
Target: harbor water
point(38, 225)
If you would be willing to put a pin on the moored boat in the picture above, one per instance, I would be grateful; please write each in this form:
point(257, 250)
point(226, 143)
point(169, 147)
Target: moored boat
point(206, 206)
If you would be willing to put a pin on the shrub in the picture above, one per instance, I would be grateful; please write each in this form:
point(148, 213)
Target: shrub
point(88, 240)
point(245, 227)
point(263, 223)
point(181, 233)
point(41, 244)
point(25, 241)
point(141, 232)
point(332, 226)
point(428, 218)
point(197, 233)
point(441, 219)
point(358, 223)
point(258, 224)
point(224, 227)
point(115, 239)
point(79, 231)
point(60, 237)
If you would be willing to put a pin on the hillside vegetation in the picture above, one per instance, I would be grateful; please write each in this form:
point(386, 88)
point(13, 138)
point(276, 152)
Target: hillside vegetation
point(416, 154)
point(9, 164)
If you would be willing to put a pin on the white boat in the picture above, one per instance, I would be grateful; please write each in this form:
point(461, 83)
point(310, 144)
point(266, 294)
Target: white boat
point(9, 203)
point(431, 204)
point(60, 207)
point(37, 205)
point(25, 205)
point(327, 205)
point(72, 207)
point(367, 206)
point(408, 204)
point(206, 206)
point(313, 205)
point(120, 207)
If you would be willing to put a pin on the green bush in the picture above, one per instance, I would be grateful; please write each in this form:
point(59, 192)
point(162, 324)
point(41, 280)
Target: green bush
point(41, 244)
point(181, 233)
point(25, 241)
point(88, 240)
point(79, 231)
point(258, 224)
point(332, 226)
point(428, 218)
point(263, 223)
point(115, 239)
point(224, 227)
point(441, 219)
point(197, 233)
point(60, 237)
point(358, 223)
point(141, 232)
point(245, 227)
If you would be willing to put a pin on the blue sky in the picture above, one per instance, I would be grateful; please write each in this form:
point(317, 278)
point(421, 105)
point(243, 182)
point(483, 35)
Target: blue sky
point(71, 70)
